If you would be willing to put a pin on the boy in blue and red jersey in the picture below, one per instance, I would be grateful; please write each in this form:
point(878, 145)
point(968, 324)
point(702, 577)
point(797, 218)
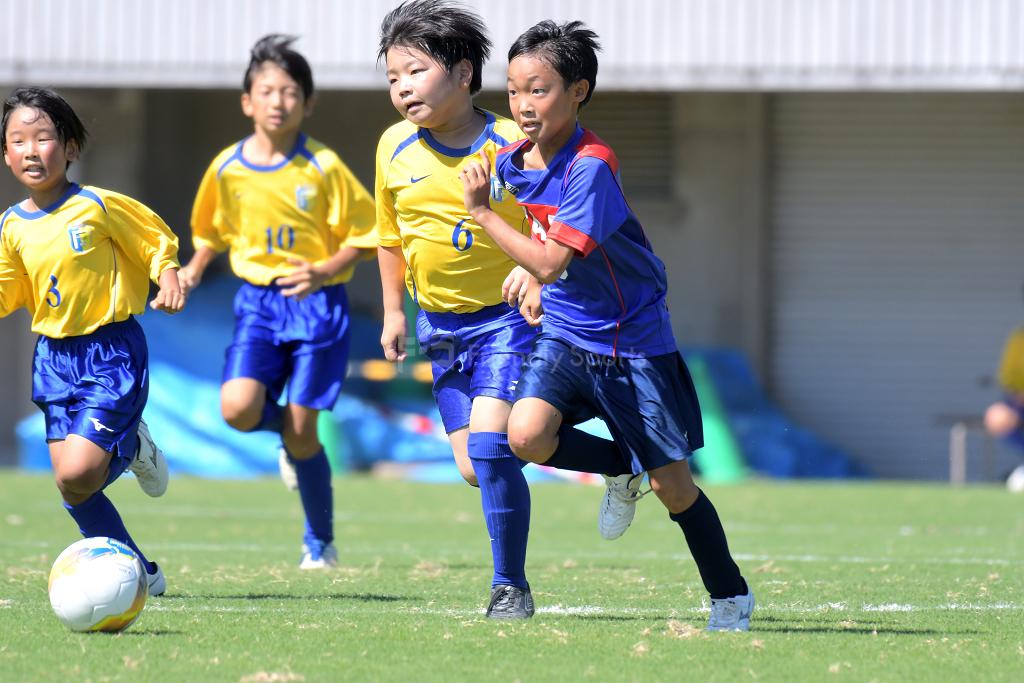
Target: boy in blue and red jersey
point(606, 347)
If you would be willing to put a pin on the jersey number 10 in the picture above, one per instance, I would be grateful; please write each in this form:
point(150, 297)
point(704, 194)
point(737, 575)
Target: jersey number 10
point(285, 238)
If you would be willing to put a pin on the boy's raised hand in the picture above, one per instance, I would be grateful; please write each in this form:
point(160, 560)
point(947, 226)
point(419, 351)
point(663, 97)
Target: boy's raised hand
point(476, 184)
point(170, 298)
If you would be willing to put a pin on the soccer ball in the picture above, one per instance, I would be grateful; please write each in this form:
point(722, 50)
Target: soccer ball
point(98, 584)
point(1015, 482)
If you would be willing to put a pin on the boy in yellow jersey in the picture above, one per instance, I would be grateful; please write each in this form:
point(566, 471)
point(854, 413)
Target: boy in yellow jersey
point(80, 259)
point(434, 52)
point(296, 222)
point(1004, 419)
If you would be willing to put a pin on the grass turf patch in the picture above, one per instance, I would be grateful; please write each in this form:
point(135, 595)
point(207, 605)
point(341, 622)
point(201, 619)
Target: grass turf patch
point(854, 581)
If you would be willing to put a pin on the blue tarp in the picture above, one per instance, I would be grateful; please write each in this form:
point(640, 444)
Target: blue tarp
point(379, 422)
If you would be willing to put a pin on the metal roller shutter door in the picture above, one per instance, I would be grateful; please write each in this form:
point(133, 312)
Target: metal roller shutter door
point(896, 259)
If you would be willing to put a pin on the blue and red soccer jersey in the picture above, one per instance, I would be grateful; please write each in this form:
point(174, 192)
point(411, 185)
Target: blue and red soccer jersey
point(611, 298)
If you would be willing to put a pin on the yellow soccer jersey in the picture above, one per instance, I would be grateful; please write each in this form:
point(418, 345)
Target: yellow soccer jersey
point(1011, 367)
point(453, 265)
point(82, 262)
point(305, 207)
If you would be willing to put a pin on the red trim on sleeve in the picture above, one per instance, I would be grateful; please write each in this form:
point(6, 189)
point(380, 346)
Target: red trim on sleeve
point(571, 237)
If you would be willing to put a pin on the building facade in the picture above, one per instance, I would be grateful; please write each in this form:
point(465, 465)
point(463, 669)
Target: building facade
point(833, 184)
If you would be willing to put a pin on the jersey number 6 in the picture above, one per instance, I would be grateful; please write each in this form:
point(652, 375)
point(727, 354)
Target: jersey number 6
point(457, 237)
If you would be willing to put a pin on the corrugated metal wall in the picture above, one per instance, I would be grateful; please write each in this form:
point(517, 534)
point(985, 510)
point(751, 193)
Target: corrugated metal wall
point(896, 255)
point(649, 44)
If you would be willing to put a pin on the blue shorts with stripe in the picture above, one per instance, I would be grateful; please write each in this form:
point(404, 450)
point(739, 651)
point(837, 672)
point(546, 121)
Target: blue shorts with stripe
point(649, 404)
point(280, 341)
point(94, 385)
point(473, 354)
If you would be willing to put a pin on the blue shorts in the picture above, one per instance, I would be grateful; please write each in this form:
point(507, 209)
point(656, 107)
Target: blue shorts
point(649, 404)
point(473, 354)
point(94, 385)
point(280, 341)
point(1015, 404)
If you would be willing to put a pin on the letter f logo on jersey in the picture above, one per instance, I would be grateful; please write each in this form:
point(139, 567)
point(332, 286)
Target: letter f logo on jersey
point(81, 236)
point(99, 426)
point(304, 195)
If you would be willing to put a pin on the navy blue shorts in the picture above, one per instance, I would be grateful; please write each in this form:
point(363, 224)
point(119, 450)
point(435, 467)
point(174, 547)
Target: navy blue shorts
point(302, 344)
point(649, 404)
point(473, 354)
point(1014, 402)
point(94, 385)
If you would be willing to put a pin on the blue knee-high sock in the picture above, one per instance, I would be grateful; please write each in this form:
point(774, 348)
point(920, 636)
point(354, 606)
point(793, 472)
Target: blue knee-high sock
point(272, 417)
point(506, 503)
point(582, 452)
point(98, 517)
point(317, 494)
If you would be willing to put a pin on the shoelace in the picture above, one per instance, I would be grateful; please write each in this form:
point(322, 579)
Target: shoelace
point(629, 495)
point(505, 598)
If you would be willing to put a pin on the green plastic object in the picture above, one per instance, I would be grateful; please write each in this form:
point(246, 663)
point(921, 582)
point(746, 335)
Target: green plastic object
point(720, 461)
point(329, 432)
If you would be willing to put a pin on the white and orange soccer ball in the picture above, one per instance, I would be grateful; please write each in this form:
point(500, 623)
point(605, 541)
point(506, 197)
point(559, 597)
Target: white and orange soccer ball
point(98, 584)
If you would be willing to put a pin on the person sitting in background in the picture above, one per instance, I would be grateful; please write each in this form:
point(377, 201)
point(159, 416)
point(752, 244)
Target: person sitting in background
point(1004, 419)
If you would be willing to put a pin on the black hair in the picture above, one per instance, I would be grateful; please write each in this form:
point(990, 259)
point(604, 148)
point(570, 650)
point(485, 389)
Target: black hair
point(277, 48)
point(46, 101)
point(570, 48)
point(444, 30)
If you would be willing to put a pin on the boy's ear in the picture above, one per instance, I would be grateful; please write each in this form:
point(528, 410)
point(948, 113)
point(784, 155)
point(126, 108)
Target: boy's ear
point(70, 150)
point(578, 90)
point(308, 105)
point(464, 71)
point(246, 104)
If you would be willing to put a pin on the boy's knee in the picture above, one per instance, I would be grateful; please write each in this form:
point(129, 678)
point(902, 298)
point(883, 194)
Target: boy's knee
point(241, 416)
point(79, 479)
point(530, 442)
point(530, 446)
point(1001, 419)
point(301, 443)
point(466, 470)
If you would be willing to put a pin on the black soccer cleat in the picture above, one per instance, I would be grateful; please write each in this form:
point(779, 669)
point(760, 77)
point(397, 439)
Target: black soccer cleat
point(510, 602)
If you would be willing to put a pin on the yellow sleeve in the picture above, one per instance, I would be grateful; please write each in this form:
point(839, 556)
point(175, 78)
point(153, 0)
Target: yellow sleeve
point(388, 234)
point(15, 287)
point(351, 215)
point(1011, 367)
point(207, 221)
point(142, 234)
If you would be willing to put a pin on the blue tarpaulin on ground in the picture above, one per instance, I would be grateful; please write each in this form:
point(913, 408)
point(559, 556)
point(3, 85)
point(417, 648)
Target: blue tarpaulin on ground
point(376, 423)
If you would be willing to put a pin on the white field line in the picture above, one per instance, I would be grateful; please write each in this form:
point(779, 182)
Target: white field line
point(540, 556)
point(797, 609)
point(187, 604)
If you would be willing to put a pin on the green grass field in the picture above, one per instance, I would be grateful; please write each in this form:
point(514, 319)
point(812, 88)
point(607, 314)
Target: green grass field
point(859, 582)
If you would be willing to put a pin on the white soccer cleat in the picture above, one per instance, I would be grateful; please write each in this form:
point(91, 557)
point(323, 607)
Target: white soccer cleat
point(319, 556)
point(149, 465)
point(157, 582)
point(619, 504)
point(732, 614)
point(1015, 482)
point(287, 469)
